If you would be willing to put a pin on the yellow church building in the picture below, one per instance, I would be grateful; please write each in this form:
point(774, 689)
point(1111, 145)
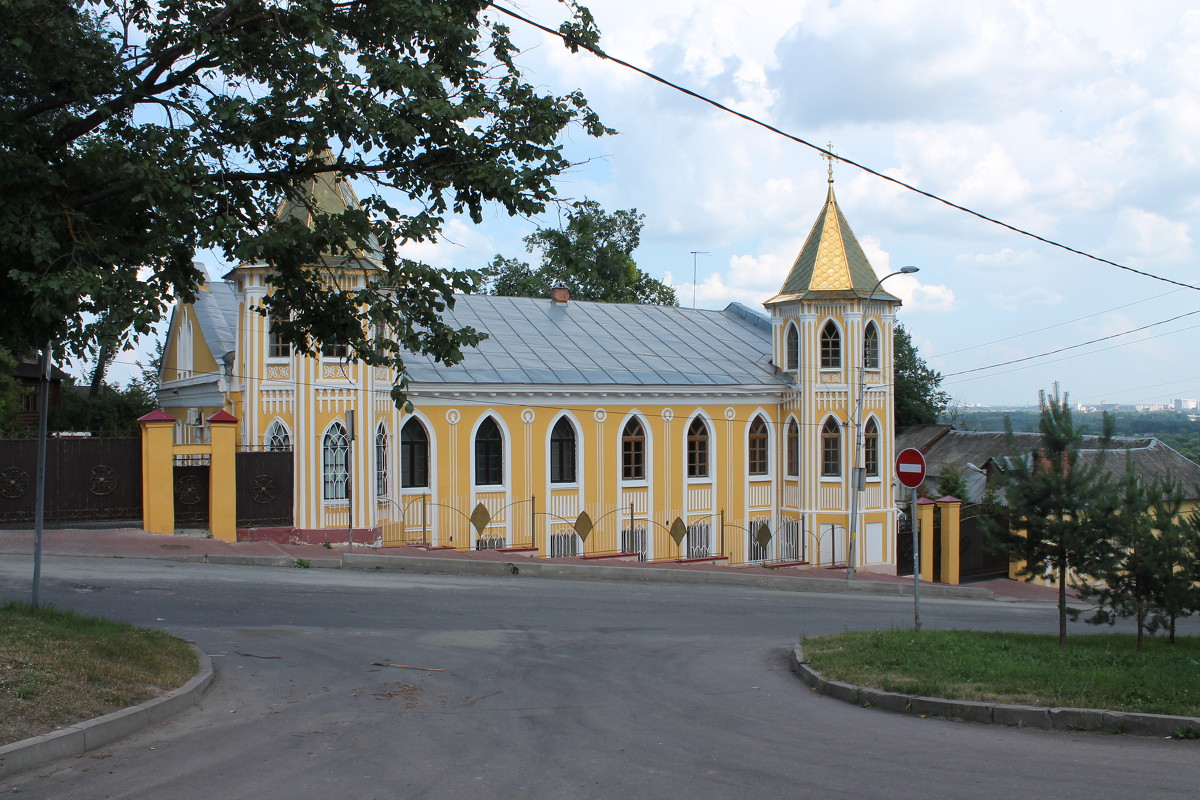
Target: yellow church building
point(576, 428)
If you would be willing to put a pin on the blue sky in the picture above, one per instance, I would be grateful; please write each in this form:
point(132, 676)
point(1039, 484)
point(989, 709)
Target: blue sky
point(1076, 120)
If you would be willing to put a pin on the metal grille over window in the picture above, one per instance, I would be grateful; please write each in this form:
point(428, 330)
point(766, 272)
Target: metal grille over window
point(562, 452)
point(871, 347)
point(277, 438)
point(633, 451)
point(831, 449)
point(381, 461)
point(633, 540)
point(414, 455)
point(697, 449)
point(831, 347)
point(489, 454)
point(757, 456)
point(335, 450)
point(699, 540)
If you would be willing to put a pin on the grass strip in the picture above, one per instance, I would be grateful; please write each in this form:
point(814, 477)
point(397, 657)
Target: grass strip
point(1093, 671)
point(58, 668)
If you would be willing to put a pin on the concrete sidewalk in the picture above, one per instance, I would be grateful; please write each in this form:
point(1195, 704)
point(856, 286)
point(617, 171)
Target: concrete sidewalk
point(134, 543)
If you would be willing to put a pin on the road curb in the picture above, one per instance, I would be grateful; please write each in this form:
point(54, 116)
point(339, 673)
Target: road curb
point(95, 733)
point(548, 569)
point(1060, 719)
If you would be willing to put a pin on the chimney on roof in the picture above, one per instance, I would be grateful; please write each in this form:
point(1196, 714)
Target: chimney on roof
point(560, 294)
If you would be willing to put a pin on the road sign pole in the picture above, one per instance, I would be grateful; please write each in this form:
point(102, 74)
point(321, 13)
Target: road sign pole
point(916, 529)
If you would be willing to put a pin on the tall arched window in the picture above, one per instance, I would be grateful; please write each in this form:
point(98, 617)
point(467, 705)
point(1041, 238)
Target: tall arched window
point(381, 461)
point(184, 354)
point(633, 451)
point(335, 449)
point(792, 355)
point(276, 347)
point(562, 452)
point(793, 449)
point(871, 448)
point(756, 456)
point(414, 455)
point(831, 449)
point(277, 438)
point(871, 346)
point(831, 346)
point(489, 454)
point(697, 449)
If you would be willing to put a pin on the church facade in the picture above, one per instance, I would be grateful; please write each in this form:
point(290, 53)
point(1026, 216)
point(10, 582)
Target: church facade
point(578, 428)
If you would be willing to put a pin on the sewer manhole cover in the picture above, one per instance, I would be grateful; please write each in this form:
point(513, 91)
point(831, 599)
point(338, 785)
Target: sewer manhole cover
point(155, 591)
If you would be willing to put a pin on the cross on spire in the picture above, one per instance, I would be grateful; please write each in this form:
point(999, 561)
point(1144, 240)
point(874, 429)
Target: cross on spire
point(830, 157)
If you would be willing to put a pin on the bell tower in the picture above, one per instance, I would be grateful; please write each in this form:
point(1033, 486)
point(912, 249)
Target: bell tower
point(833, 334)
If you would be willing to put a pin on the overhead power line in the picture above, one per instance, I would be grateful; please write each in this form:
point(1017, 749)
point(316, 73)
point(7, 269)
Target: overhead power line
point(829, 154)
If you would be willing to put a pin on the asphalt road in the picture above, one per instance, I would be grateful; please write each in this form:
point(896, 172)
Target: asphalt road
point(545, 689)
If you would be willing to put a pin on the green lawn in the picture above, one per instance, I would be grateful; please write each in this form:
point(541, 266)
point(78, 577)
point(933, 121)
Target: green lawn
point(1094, 671)
point(58, 668)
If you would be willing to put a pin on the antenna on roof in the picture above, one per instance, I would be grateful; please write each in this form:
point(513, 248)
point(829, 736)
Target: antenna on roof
point(695, 253)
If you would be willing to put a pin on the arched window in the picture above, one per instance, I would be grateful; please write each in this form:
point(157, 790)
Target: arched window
point(489, 454)
point(381, 461)
point(871, 448)
point(562, 452)
point(793, 449)
point(756, 457)
point(633, 451)
point(697, 449)
point(184, 349)
point(793, 348)
point(277, 438)
point(414, 455)
point(831, 346)
point(871, 346)
point(831, 449)
point(335, 449)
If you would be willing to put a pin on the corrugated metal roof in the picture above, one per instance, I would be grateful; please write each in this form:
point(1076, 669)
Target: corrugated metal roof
point(1151, 458)
point(534, 340)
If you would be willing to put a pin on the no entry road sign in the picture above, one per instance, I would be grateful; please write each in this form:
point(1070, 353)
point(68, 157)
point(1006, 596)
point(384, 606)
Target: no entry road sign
point(910, 468)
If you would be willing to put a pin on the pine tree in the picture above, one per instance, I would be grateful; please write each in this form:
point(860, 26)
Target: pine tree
point(1051, 518)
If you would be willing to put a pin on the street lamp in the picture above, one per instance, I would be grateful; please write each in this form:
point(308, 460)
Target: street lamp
point(857, 476)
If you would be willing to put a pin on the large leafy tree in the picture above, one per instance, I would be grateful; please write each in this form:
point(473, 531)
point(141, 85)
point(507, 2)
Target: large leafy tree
point(1054, 516)
point(591, 255)
point(135, 133)
point(919, 397)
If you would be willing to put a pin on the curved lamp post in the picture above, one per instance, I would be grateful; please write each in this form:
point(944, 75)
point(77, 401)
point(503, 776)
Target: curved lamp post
point(857, 477)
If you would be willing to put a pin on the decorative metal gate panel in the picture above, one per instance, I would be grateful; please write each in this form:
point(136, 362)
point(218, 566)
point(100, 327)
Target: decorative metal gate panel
point(977, 559)
point(191, 479)
point(89, 480)
point(904, 543)
point(264, 488)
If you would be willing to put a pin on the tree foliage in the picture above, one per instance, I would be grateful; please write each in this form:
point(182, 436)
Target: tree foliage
point(919, 397)
point(1054, 516)
point(134, 134)
point(592, 255)
point(1147, 565)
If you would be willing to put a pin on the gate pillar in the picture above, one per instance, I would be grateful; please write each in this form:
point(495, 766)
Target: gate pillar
point(222, 489)
point(951, 541)
point(925, 516)
point(158, 493)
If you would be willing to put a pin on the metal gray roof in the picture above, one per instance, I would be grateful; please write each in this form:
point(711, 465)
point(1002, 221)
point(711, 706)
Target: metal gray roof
point(1150, 458)
point(537, 341)
point(216, 309)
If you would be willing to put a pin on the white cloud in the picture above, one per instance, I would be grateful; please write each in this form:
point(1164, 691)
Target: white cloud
point(1142, 234)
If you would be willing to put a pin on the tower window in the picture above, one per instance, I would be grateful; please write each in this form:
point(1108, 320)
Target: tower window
point(831, 347)
point(871, 346)
point(793, 348)
point(871, 448)
point(831, 449)
point(793, 449)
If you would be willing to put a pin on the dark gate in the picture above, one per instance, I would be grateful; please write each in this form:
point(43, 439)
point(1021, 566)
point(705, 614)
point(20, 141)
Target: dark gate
point(264, 488)
point(904, 543)
point(191, 480)
point(977, 559)
point(90, 480)
point(937, 543)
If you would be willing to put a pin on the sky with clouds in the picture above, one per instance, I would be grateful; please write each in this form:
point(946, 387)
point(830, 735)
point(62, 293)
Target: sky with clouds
point(1076, 120)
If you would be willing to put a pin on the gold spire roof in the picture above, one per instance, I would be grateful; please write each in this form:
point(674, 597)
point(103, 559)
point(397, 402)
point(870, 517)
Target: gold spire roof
point(327, 193)
point(831, 263)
